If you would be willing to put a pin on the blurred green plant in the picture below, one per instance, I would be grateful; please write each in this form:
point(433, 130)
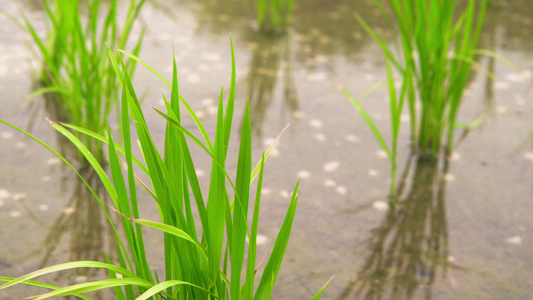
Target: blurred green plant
point(274, 16)
point(433, 54)
point(210, 262)
point(74, 66)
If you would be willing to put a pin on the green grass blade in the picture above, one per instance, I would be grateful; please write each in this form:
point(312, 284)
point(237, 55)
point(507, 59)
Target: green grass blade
point(317, 295)
point(240, 211)
point(274, 262)
point(370, 123)
point(94, 286)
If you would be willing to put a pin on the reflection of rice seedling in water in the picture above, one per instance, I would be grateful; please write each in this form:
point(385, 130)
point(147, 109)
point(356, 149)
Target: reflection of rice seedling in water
point(274, 16)
point(434, 54)
point(75, 69)
point(270, 61)
point(193, 257)
point(409, 249)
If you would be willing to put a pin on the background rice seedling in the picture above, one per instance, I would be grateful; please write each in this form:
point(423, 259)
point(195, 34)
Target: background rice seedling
point(74, 69)
point(433, 54)
point(274, 16)
point(200, 263)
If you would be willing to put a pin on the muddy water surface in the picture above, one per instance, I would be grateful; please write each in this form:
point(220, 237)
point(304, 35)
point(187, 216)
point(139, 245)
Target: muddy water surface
point(460, 231)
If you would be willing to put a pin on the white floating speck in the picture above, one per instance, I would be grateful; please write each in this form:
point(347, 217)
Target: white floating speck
point(341, 190)
point(207, 102)
point(4, 194)
point(212, 110)
point(316, 123)
point(203, 67)
point(455, 156)
point(211, 56)
point(513, 77)
point(266, 192)
point(351, 138)
point(526, 74)
point(381, 154)
point(314, 77)
point(405, 118)
point(330, 183)
point(7, 135)
point(268, 141)
point(43, 207)
point(331, 166)
point(193, 78)
point(200, 173)
point(274, 152)
point(320, 137)
point(261, 239)
point(15, 214)
point(501, 85)
point(369, 77)
point(19, 196)
point(528, 156)
point(53, 161)
point(45, 178)
point(80, 279)
point(373, 173)
point(284, 194)
point(68, 210)
point(297, 114)
point(501, 109)
point(380, 205)
point(200, 114)
point(515, 240)
point(322, 58)
point(449, 177)
point(520, 101)
point(20, 145)
point(451, 259)
point(304, 174)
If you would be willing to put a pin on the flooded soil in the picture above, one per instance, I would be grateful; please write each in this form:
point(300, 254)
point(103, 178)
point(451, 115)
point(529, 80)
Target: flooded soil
point(462, 229)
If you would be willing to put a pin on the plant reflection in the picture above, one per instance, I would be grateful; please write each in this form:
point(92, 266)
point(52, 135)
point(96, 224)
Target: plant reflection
point(409, 250)
point(270, 61)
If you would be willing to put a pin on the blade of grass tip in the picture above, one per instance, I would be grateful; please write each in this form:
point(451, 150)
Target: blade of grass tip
point(317, 296)
point(228, 120)
point(68, 266)
point(43, 285)
point(370, 123)
point(258, 165)
point(274, 262)
point(103, 139)
point(187, 106)
point(70, 166)
point(158, 288)
point(173, 231)
point(94, 286)
point(92, 160)
point(197, 141)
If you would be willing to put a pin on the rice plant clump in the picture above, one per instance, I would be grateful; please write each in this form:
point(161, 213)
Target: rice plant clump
point(75, 72)
point(434, 50)
point(274, 16)
point(205, 257)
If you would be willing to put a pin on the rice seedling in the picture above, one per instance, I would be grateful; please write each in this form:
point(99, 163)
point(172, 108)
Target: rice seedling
point(74, 66)
point(433, 54)
point(209, 262)
point(274, 16)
